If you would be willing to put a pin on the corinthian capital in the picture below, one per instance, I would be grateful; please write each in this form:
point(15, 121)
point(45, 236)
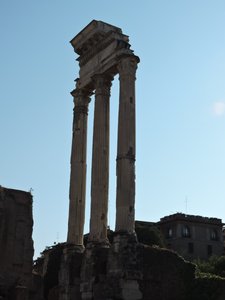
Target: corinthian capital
point(102, 84)
point(81, 96)
point(127, 66)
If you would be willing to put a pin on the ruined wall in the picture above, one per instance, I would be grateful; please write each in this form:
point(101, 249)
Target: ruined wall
point(126, 270)
point(16, 244)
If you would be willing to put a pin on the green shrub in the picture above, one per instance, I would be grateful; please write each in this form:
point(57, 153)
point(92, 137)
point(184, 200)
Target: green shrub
point(149, 235)
point(215, 265)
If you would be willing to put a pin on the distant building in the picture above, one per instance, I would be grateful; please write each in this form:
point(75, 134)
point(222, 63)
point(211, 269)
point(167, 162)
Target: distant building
point(193, 236)
point(223, 234)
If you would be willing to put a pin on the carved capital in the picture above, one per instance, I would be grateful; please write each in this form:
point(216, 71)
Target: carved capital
point(102, 84)
point(81, 97)
point(127, 66)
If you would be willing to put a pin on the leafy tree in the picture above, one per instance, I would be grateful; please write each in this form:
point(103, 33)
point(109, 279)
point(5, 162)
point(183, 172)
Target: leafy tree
point(219, 266)
point(214, 265)
point(149, 235)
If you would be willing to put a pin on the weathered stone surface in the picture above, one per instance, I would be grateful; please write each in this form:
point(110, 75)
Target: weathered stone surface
point(127, 270)
point(119, 268)
point(37, 290)
point(104, 51)
point(78, 167)
point(166, 275)
point(126, 147)
point(16, 244)
point(131, 290)
point(100, 161)
point(69, 274)
point(99, 45)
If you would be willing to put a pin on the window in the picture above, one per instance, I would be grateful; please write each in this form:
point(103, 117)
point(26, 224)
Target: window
point(169, 232)
point(186, 231)
point(190, 248)
point(209, 250)
point(214, 235)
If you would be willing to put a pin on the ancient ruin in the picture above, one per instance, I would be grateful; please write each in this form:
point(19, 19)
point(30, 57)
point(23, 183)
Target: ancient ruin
point(16, 244)
point(122, 269)
point(104, 51)
point(103, 265)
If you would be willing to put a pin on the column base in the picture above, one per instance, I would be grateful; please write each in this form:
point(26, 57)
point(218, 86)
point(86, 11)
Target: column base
point(98, 244)
point(125, 235)
point(71, 248)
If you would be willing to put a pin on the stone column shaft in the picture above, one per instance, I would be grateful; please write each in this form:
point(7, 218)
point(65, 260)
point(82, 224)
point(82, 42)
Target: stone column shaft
point(78, 168)
point(125, 197)
point(100, 161)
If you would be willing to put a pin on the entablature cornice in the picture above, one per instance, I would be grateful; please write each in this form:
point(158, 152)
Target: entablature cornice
point(93, 29)
point(108, 66)
point(96, 45)
point(101, 47)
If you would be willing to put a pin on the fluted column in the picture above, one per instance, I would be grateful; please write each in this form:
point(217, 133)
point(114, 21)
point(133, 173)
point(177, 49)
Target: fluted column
point(100, 160)
point(78, 168)
point(125, 197)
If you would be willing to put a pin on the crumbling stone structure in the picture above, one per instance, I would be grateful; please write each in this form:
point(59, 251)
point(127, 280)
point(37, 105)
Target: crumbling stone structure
point(104, 51)
point(16, 244)
point(121, 269)
point(125, 270)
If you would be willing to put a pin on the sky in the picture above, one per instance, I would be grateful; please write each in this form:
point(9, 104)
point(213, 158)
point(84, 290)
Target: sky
point(180, 106)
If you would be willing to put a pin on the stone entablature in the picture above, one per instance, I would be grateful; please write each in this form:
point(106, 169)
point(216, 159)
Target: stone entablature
point(104, 51)
point(100, 46)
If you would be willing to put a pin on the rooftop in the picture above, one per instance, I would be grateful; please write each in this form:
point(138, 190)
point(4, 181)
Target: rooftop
point(190, 218)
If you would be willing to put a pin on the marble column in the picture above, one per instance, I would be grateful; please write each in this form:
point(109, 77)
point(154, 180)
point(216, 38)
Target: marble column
point(125, 167)
point(100, 160)
point(78, 168)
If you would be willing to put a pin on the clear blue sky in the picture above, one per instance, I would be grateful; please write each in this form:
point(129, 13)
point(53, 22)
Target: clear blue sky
point(180, 95)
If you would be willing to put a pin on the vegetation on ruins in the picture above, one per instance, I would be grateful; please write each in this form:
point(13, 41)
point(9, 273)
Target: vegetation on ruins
point(149, 235)
point(214, 266)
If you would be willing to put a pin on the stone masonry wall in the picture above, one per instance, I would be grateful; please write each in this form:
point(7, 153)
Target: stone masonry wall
point(127, 270)
point(16, 244)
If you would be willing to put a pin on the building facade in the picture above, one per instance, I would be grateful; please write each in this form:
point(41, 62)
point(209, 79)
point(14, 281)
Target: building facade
point(192, 236)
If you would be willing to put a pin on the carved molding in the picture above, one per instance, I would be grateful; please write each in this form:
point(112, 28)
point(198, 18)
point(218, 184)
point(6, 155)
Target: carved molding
point(81, 97)
point(96, 45)
point(102, 84)
point(127, 66)
point(95, 49)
